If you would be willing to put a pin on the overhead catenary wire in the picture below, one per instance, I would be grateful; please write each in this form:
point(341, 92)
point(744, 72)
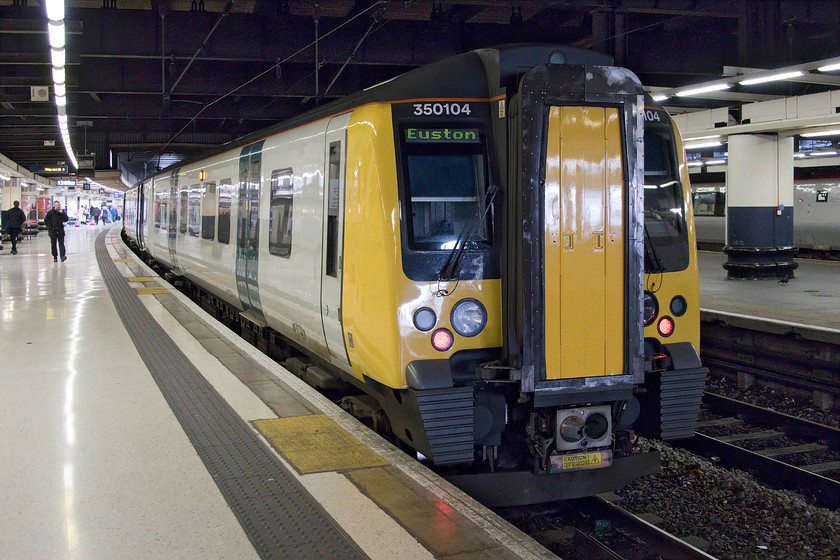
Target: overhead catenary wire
point(270, 69)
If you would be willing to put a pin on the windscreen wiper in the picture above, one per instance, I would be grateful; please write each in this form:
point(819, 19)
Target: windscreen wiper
point(452, 266)
point(651, 256)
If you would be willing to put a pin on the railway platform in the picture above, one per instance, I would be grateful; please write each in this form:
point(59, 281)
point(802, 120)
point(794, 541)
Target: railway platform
point(136, 426)
point(807, 305)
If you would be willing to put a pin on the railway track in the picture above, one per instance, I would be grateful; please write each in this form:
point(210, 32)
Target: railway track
point(597, 529)
point(780, 450)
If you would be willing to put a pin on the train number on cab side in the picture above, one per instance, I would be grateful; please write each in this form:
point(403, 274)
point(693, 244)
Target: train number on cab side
point(437, 109)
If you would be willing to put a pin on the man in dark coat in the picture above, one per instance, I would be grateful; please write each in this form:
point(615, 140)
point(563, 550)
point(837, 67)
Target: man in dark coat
point(14, 223)
point(94, 211)
point(54, 220)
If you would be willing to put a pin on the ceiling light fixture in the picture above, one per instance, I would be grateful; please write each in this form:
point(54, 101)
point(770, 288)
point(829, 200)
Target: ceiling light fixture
point(703, 89)
point(829, 67)
point(832, 132)
point(772, 78)
point(698, 145)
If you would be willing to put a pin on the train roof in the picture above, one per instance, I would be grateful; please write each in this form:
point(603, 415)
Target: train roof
point(461, 76)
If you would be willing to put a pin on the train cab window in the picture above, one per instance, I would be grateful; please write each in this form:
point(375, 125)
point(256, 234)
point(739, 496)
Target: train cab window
point(280, 213)
point(666, 236)
point(225, 193)
point(194, 210)
point(446, 180)
point(184, 207)
point(208, 212)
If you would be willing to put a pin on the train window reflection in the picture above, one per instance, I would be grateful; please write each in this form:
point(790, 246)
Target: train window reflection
point(666, 238)
point(446, 181)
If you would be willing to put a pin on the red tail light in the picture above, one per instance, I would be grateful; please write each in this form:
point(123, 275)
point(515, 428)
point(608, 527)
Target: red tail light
point(665, 326)
point(442, 340)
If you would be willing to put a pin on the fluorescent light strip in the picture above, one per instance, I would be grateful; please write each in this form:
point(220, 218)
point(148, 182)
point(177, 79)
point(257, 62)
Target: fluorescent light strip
point(772, 78)
point(823, 154)
point(704, 89)
point(699, 145)
point(660, 97)
point(695, 164)
point(715, 161)
point(58, 57)
point(832, 132)
point(830, 67)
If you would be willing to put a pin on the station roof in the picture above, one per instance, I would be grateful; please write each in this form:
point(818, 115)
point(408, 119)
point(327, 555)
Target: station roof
point(153, 81)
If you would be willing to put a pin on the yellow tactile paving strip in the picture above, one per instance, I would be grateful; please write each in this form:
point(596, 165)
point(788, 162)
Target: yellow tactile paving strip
point(140, 279)
point(315, 443)
point(123, 260)
point(152, 290)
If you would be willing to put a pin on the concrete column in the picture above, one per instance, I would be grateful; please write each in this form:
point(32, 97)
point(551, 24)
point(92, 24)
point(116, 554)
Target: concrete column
point(10, 193)
point(759, 201)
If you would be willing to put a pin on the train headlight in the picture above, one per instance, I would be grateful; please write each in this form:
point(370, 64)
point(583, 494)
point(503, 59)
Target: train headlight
point(596, 426)
point(469, 317)
point(442, 340)
point(571, 429)
point(583, 428)
point(651, 308)
point(679, 306)
point(424, 319)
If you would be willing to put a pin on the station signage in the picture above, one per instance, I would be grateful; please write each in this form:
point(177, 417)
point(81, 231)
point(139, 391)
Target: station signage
point(65, 182)
point(48, 169)
point(85, 186)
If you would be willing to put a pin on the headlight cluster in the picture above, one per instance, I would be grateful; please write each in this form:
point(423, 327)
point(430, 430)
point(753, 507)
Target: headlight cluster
point(665, 326)
point(468, 318)
point(583, 427)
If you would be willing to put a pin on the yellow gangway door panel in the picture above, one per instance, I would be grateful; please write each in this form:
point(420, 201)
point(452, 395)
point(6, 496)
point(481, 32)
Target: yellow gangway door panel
point(584, 244)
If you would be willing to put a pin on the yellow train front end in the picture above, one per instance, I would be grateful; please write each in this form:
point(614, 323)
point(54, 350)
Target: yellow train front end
point(422, 291)
point(519, 291)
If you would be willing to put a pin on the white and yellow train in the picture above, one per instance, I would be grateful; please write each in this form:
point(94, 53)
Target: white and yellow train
point(495, 252)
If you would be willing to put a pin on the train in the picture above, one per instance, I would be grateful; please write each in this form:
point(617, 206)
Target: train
point(816, 205)
point(489, 259)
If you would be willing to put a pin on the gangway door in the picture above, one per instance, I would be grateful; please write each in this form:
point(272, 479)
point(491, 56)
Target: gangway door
point(573, 276)
point(584, 243)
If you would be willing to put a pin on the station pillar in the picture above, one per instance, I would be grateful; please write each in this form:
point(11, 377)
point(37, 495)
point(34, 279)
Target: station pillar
point(759, 207)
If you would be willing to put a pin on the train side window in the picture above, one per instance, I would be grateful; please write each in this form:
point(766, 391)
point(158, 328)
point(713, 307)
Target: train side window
point(184, 207)
point(208, 212)
point(280, 213)
point(334, 193)
point(194, 210)
point(225, 194)
point(161, 199)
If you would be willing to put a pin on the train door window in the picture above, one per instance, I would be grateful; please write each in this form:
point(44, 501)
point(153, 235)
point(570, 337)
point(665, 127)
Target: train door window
point(208, 212)
point(225, 193)
point(161, 199)
point(446, 180)
point(194, 210)
point(280, 213)
point(184, 207)
point(334, 193)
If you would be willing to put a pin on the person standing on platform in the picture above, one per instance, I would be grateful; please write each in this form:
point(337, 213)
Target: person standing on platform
point(54, 221)
point(94, 211)
point(14, 224)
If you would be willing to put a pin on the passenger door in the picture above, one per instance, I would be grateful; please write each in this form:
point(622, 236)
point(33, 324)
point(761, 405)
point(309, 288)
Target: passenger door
point(247, 232)
point(331, 265)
